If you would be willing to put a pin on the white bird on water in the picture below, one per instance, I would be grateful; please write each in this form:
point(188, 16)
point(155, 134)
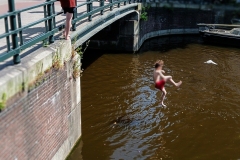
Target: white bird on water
point(210, 62)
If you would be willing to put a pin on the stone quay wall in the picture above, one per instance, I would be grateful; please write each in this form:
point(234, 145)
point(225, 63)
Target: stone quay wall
point(173, 19)
point(129, 33)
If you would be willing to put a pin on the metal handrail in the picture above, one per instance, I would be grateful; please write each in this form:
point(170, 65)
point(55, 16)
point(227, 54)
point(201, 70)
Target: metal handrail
point(25, 9)
point(15, 46)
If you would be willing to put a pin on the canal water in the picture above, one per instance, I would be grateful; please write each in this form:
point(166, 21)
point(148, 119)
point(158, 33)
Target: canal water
point(122, 118)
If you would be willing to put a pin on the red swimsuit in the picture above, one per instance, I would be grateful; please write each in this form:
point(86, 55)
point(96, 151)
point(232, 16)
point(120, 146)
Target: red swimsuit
point(160, 84)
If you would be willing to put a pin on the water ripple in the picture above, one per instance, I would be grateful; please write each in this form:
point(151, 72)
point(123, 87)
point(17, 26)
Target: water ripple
point(122, 117)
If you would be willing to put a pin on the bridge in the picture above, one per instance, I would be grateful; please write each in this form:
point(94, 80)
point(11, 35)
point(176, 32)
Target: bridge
point(43, 23)
point(40, 87)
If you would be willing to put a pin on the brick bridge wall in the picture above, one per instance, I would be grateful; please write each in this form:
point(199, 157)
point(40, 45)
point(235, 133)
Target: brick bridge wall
point(44, 121)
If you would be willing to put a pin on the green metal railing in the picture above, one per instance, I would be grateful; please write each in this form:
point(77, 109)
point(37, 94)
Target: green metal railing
point(14, 35)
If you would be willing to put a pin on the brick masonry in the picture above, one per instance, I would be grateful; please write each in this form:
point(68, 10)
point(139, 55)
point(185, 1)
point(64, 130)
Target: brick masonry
point(35, 126)
point(175, 18)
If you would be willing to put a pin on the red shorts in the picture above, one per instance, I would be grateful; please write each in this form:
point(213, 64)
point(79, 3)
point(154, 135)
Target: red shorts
point(160, 84)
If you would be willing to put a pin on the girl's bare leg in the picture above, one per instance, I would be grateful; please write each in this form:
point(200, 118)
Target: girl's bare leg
point(172, 81)
point(68, 25)
point(164, 92)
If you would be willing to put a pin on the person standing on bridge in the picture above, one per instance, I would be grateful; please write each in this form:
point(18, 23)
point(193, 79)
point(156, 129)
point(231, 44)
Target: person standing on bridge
point(160, 79)
point(68, 7)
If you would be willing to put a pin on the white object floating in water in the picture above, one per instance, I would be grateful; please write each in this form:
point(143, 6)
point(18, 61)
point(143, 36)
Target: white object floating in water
point(210, 62)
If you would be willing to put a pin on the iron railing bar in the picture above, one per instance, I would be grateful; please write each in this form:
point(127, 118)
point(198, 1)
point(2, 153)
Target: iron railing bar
point(20, 26)
point(113, 3)
point(25, 9)
point(107, 6)
point(36, 6)
point(95, 11)
point(85, 3)
point(35, 23)
point(6, 55)
point(7, 30)
point(54, 18)
point(45, 16)
point(81, 17)
point(82, 4)
point(7, 15)
point(38, 38)
point(50, 20)
point(27, 26)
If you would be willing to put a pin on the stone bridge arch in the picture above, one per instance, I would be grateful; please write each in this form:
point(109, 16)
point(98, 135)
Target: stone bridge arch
point(128, 16)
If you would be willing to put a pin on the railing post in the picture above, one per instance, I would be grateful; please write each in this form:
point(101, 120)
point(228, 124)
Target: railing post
point(7, 31)
point(50, 21)
point(13, 24)
point(111, 7)
point(89, 9)
point(20, 26)
point(54, 18)
point(101, 5)
point(74, 16)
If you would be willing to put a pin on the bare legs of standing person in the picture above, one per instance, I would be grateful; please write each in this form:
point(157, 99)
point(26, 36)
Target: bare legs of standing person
point(68, 25)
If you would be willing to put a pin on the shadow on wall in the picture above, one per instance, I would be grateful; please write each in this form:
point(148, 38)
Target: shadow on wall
point(166, 43)
point(90, 56)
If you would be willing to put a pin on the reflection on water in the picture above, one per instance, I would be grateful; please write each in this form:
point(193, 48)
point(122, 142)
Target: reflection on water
point(121, 113)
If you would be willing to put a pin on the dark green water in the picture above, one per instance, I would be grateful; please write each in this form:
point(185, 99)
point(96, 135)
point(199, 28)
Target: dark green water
point(121, 113)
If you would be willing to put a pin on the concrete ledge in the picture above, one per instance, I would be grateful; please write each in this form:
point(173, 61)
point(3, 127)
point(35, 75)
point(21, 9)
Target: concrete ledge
point(11, 82)
point(16, 79)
